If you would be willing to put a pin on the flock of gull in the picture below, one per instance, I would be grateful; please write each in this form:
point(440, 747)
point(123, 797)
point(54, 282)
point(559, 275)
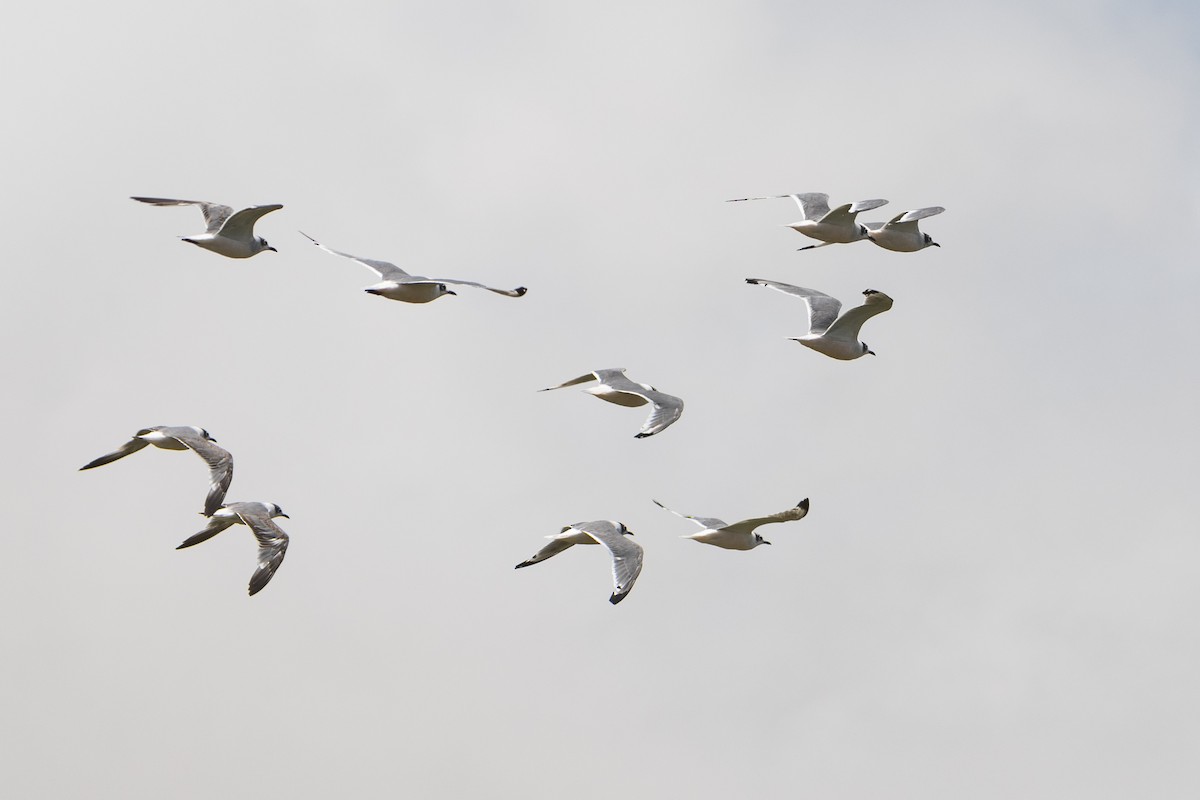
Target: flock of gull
point(830, 332)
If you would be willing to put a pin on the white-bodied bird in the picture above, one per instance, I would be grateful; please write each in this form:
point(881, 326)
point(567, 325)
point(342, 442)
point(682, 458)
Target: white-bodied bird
point(616, 388)
point(836, 337)
point(396, 284)
point(739, 535)
point(272, 541)
point(900, 233)
point(228, 234)
point(626, 553)
point(817, 221)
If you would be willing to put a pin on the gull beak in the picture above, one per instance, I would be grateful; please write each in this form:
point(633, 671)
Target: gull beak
point(765, 541)
point(272, 249)
point(935, 244)
point(285, 516)
point(870, 352)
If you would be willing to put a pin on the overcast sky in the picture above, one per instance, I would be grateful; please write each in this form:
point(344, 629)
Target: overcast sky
point(995, 592)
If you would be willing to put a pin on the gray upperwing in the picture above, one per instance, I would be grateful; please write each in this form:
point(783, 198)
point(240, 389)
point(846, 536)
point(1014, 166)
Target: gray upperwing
point(220, 465)
point(215, 214)
point(866, 205)
point(215, 526)
point(667, 409)
point(132, 446)
point(849, 324)
point(591, 376)
point(626, 555)
point(748, 525)
point(272, 544)
point(517, 292)
point(704, 522)
point(241, 225)
point(919, 213)
point(813, 205)
point(822, 309)
point(555, 547)
point(384, 269)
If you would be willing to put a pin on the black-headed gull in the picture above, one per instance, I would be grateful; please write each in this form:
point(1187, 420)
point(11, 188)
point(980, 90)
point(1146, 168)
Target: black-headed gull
point(616, 388)
point(739, 535)
point(817, 221)
point(626, 553)
point(198, 440)
point(836, 337)
point(228, 234)
point(900, 232)
point(272, 541)
point(396, 284)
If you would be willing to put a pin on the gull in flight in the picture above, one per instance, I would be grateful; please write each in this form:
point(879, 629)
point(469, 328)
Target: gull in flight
point(396, 284)
point(626, 554)
point(836, 337)
point(272, 541)
point(739, 535)
point(228, 233)
point(900, 232)
point(616, 388)
point(220, 462)
point(818, 222)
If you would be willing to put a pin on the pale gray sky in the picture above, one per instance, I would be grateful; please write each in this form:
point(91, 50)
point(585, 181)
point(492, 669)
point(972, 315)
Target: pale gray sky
point(993, 596)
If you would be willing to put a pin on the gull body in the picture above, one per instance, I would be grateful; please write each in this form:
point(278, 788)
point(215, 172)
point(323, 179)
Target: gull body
point(272, 541)
point(396, 284)
point(614, 387)
point(900, 233)
point(817, 221)
point(189, 437)
point(836, 337)
point(740, 535)
point(626, 554)
point(229, 234)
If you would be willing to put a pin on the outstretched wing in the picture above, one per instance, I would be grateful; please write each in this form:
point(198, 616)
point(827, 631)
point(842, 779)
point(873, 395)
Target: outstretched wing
point(907, 221)
point(241, 225)
point(626, 555)
point(822, 309)
point(384, 269)
point(215, 526)
point(748, 525)
point(849, 324)
point(132, 446)
point(707, 523)
point(220, 466)
point(813, 205)
point(517, 292)
point(215, 214)
point(667, 408)
point(555, 547)
point(272, 544)
point(591, 376)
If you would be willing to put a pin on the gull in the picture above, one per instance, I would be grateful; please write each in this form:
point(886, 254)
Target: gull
point(900, 232)
point(836, 337)
point(616, 388)
point(626, 554)
point(818, 222)
point(739, 535)
point(399, 285)
point(198, 440)
point(272, 541)
point(228, 233)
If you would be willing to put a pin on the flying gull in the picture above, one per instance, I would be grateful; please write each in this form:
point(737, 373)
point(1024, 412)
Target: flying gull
point(272, 541)
point(220, 462)
point(818, 222)
point(836, 337)
point(626, 554)
point(616, 388)
point(228, 233)
point(739, 535)
point(396, 284)
point(900, 232)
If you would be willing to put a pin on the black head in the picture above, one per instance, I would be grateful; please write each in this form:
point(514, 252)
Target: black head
point(866, 350)
point(929, 242)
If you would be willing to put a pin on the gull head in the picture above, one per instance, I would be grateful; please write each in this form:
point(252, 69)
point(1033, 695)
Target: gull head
point(276, 511)
point(262, 245)
point(758, 539)
point(929, 242)
point(203, 434)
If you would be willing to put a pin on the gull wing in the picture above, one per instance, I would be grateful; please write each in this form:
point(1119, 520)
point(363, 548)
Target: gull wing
point(132, 446)
point(215, 214)
point(215, 526)
point(220, 465)
point(907, 221)
point(591, 376)
point(555, 547)
point(241, 225)
point(626, 555)
point(849, 324)
point(707, 523)
point(272, 543)
point(822, 309)
point(813, 205)
point(517, 292)
point(385, 270)
point(667, 408)
point(866, 205)
point(748, 525)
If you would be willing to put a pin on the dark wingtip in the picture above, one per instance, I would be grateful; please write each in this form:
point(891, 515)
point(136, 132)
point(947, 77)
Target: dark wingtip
point(616, 598)
point(523, 564)
point(643, 435)
point(520, 290)
point(803, 504)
